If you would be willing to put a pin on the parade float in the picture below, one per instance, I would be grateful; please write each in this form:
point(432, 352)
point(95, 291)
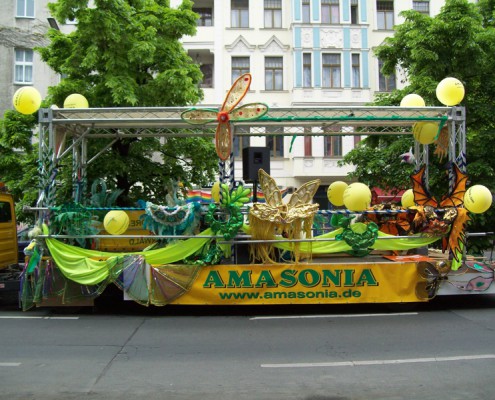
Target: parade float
point(230, 247)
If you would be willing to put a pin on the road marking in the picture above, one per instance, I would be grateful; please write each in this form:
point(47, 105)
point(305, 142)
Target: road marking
point(11, 364)
point(337, 316)
point(31, 317)
point(380, 362)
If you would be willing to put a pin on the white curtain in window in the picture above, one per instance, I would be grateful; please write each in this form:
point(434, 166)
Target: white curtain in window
point(23, 66)
point(25, 8)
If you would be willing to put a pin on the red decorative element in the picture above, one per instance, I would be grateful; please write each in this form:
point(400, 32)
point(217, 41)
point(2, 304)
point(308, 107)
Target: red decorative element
point(223, 116)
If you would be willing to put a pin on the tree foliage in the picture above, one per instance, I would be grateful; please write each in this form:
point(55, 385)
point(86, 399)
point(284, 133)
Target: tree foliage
point(127, 53)
point(458, 42)
point(18, 159)
point(383, 156)
point(124, 53)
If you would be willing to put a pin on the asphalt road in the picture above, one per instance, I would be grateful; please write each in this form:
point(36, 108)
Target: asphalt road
point(440, 350)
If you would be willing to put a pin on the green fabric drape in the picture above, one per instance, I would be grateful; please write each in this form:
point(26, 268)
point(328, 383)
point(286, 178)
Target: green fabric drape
point(89, 267)
point(338, 246)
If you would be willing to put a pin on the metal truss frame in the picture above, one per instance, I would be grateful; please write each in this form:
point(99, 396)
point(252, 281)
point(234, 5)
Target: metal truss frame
point(67, 131)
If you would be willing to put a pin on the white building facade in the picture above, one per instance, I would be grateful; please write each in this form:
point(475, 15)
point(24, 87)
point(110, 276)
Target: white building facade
point(300, 53)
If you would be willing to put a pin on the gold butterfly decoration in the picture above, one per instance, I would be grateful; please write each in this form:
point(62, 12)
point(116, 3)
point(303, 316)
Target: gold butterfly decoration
point(227, 113)
point(290, 219)
point(274, 210)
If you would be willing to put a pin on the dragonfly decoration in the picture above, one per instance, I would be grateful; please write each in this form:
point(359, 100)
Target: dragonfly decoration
point(227, 113)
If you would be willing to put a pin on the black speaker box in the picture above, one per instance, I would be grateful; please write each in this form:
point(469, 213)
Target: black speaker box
point(242, 254)
point(254, 158)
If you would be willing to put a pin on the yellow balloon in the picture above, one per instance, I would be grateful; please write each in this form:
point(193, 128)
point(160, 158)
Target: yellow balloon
point(116, 222)
point(407, 199)
point(450, 91)
point(425, 132)
point(478, 199)
point(412, 100)
point(76, 100)
point(335, 193)
point(357, 197)
point(27, 100)
point(215, 192)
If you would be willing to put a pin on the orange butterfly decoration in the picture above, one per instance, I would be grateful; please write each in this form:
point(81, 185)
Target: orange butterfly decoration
point(422, 196)
point(227, 113)
point(391, 224)
point(454, 200)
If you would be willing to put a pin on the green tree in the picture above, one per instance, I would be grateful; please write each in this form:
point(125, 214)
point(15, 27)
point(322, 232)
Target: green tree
point(458, 42)
point(18, 159)
point(127, 53)
point(124, 53)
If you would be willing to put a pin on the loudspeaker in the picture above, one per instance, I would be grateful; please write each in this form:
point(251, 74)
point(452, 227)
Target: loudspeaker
point(254, 158)
point(242, 254)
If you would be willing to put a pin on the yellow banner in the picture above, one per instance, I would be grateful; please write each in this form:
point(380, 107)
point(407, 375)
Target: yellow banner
point(128, 244)
point(304, 284)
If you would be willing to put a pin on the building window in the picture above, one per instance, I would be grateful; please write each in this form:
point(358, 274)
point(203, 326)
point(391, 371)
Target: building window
point(332, 146)
point(385, 14)
point(240, 66)
point(330, 11)
point(307, 70)
point(205, 16)
point(25, 8)
point(354, 12)
point(274, 73)
point(240, 13)
point(356, 71)
point(331, 70)
point(273, 13)
point(332, 141)
point(240, 142)
point(308, 144)
point(385, 83)
point(422, 6)
point(23, 66)
point(306, 11)
point(207, 70)
point(276, 145)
